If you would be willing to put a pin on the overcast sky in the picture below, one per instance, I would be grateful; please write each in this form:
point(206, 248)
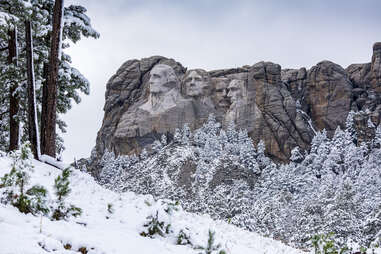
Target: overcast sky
point(213, 34)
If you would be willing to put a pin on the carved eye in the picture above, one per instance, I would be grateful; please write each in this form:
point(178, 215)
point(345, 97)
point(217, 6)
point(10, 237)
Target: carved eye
point(156, 75)
point(197, 79)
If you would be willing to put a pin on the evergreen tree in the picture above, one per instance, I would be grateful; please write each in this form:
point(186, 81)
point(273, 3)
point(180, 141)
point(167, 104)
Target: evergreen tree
point(177, 136)
point(186, 135)
point(163, 140)
point(377, 138)
point(62, 190)
point(14, 185)
point(296, 155)
point(111, 168)
point(156, 146)
point(144, 154)
point(71, 81)
point(231, 132)
point(350, 126)
point(211, 247)
point(223, 139)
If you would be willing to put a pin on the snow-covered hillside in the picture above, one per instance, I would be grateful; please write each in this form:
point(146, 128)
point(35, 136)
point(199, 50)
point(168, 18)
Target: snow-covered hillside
point(332, 189)
point(112, 223)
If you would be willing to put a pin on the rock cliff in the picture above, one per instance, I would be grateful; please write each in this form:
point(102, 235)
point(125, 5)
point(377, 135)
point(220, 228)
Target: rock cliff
point(153, 96)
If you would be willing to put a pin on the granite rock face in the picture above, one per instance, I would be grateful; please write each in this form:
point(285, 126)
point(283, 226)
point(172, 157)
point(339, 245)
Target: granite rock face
point(366, 80)
point(328, 95)
point(277, 120)
point(153, 96)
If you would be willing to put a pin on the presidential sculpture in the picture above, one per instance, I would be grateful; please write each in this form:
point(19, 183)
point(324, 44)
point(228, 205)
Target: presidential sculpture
point(163, 88)
point(162, 96)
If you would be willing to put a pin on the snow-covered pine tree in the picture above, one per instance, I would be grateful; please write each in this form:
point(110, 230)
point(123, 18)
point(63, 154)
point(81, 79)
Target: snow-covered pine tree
point(350, 126)
point(157, 146)
point(262, 159)
point(109, 167)
point(144, 154)
point(377, 138)
point(62, 210)
point(76, 25)
point(223, 139)
point(16, 181)
point(211, 127)
point(177, 136)
point(186, 135)
point(247, 153)
point(296, 155)
point(49, 94)
point(164, 140)
point(14, 185)
point(231, 132)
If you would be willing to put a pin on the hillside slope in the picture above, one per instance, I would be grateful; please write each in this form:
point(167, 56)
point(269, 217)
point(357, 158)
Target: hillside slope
point(100, 231)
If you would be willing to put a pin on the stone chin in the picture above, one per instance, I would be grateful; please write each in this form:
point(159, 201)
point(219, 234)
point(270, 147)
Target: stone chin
point(194, 93)
point(157, 89)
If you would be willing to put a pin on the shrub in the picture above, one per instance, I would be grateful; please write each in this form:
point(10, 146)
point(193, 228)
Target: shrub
point(38, 199)
point(183, 238)
point(210, 247)
point(62, 190)
point(327, 244)
point(110, 208)
point(155, 227)
point(14, 183)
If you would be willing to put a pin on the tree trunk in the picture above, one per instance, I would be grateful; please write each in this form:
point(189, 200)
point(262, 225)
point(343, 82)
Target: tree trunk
point(44, 104)
point(32, 111)
point(49, 134)
point(14, 125)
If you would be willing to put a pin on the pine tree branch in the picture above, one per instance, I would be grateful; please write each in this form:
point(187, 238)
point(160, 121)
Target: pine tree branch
point(3, 113)
point(3, 49)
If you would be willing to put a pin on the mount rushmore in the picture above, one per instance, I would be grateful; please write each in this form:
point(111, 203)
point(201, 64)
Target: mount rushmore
point(153, 96)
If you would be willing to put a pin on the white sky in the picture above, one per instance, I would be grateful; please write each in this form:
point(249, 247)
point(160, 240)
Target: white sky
point(212, 34)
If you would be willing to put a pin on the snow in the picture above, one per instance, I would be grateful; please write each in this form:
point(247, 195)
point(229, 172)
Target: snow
point(52, 161)
point(308, 120)
point(34, 97)
point(100, 231)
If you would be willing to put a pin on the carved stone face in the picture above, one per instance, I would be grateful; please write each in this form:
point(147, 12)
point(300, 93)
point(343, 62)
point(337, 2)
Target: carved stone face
point(236, 90)
point(161, 79)
point(221, 94)
point(195, 85)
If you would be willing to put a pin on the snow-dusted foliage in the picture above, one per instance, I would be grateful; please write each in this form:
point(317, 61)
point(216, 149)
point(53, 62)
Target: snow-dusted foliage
point(335, 187)
point(16, 190)
point(71, 83)
point(112, 223)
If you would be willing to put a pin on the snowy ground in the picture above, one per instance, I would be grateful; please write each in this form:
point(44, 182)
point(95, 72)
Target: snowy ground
point(102, 232)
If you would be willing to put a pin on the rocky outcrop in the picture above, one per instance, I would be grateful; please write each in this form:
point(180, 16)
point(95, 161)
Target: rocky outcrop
point(296, 82)
point(154, 96)
point(366, 80)
point(328, 95)
point(123, 90)
point(276, 119)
